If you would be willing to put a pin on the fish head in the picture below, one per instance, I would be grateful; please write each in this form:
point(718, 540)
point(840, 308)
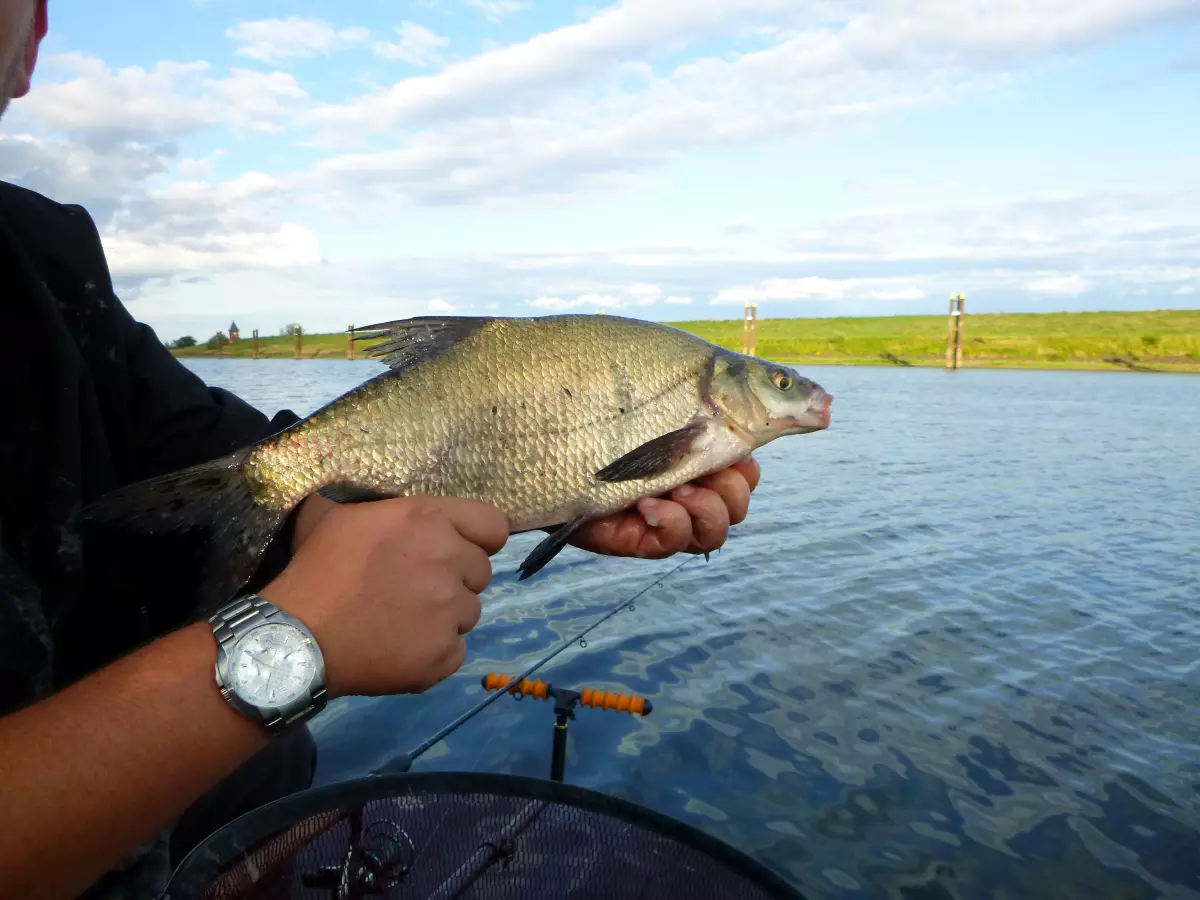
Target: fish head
point(767, 400)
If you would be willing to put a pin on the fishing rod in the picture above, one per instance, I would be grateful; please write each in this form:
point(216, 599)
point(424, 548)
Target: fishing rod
point(403, 762)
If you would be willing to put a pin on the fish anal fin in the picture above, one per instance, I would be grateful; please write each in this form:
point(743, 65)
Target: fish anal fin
point(407, 342)
point(346, 492)
point(550, 547)
point(653, 457)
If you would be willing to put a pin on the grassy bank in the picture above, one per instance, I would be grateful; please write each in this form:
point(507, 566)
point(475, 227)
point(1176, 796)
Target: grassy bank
point(1157, 340)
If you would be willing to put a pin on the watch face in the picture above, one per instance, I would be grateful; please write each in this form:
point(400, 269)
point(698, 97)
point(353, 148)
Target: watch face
point(272, 665)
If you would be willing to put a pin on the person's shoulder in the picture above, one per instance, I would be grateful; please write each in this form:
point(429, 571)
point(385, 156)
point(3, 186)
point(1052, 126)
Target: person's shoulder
point(54, 235)
point(35, 216)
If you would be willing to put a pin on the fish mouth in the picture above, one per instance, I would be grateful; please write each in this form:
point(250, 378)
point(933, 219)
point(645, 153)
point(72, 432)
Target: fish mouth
point(816, 417)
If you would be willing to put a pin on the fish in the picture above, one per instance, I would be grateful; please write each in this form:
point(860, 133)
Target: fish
point(556, 420)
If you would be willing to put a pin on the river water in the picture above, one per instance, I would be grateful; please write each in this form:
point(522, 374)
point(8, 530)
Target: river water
point(953, 652)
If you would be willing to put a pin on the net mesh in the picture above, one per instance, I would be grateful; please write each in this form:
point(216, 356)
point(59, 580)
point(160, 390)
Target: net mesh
point(468, 837)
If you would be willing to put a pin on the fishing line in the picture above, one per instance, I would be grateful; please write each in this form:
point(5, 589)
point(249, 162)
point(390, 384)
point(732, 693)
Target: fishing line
point(404, 761)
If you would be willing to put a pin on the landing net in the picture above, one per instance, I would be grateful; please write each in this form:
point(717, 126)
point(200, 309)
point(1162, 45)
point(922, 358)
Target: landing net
point(439, 835)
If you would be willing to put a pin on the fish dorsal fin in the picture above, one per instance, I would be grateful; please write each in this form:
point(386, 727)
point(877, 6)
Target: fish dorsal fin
point(407, 342)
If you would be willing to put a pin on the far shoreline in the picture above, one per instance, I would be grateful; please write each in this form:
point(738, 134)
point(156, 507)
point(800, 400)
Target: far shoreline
point(1145, 342)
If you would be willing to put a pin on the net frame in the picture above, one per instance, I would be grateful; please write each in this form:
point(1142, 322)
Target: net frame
point(282, 829)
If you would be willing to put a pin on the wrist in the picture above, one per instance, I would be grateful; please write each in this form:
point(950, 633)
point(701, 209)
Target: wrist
point(309, 513)
point(269, 665)
point(315, 619)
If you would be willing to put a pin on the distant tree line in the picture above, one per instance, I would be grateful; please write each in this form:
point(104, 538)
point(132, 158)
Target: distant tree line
point(221, 339)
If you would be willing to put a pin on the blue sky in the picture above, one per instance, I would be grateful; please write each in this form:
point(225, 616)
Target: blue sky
point(331, 163)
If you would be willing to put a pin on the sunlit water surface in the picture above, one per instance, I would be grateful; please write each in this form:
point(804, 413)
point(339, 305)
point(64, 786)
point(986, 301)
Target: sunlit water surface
point(953, 652)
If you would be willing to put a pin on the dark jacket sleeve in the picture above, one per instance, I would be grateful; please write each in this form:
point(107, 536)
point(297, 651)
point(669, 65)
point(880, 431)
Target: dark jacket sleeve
point(176, 419)
point(156, 415)
point(159, 415)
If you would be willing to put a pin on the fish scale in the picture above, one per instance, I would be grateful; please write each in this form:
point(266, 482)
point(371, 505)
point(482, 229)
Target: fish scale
point(555, 420)
point(558, 396)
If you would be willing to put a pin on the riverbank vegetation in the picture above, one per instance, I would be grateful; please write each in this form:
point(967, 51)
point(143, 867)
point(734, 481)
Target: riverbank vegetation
point(1158, 340)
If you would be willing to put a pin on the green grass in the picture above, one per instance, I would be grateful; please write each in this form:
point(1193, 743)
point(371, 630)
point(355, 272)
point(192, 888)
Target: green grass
point(1161, 340)
point(313, 346)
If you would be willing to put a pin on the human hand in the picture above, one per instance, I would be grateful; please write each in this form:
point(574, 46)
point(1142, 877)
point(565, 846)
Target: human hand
point(693, 518)
point(389, 588)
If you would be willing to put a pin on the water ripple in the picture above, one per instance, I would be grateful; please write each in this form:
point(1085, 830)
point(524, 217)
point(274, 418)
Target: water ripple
point(951, 653)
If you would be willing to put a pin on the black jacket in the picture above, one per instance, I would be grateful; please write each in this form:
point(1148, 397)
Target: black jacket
point(89, 400)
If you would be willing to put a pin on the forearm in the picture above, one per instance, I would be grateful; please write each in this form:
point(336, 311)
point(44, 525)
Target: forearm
point(102, 765)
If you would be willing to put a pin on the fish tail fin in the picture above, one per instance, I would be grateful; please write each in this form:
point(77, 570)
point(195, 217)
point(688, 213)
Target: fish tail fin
point(213, 496)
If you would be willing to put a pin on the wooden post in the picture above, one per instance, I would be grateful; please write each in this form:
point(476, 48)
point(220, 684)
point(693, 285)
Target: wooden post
point(958, 336)
point(350, 341)
point(296, 351)
point(955, 332)
point(254, 348)
point(750, 328)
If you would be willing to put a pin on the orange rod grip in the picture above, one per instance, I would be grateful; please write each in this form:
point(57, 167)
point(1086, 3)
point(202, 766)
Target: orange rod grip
point(493, 682)
point(613, 700)
point(597, 699)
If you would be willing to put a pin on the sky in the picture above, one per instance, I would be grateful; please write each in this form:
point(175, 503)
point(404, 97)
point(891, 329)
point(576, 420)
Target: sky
point(328, 163)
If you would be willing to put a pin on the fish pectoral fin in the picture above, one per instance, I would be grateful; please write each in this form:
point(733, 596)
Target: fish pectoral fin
point(653, 457)
point(407, 342)
point(345, 492)
point(550, 547)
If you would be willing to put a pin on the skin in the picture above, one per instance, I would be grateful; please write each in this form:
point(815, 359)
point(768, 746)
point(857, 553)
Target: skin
point(388, 588)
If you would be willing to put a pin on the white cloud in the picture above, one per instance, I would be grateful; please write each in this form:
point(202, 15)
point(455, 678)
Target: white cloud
point(994, 31)
point(294, 37)
point(633, 295)
point(1184, 290)
point(1059, 285)
point(105, 107)
point(202, 167)
point(439, 305)
point(417, 45)
point(545, 64)
point(645, 292)
point(146, 256)
point(76, 172)
point(109, 106)
point(198, 227)
point(848, 59)
point(497, 9)
point(818, 288)
point(590, 107)
point(551, 117)
point(257, 101)
point(593, 301)
point(812, 288)
point(908, 293)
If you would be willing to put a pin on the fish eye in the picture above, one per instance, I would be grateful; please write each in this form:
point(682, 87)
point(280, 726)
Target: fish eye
point(782, 380)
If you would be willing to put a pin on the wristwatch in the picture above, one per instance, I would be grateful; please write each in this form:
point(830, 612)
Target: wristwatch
point(269, 667)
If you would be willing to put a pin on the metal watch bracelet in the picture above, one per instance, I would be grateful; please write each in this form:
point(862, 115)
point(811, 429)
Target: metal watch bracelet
point(233, 621)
